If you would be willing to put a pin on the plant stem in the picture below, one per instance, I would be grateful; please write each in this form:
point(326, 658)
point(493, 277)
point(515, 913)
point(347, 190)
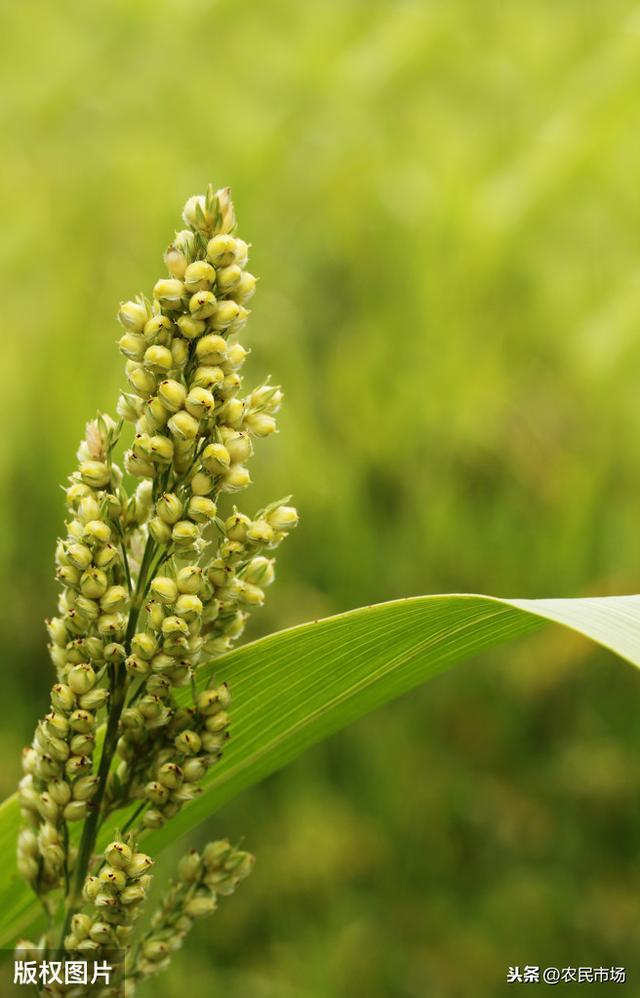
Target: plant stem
point(116, 704)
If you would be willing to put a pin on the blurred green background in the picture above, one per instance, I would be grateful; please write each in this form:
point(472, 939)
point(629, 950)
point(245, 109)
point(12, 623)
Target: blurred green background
point(444, 207)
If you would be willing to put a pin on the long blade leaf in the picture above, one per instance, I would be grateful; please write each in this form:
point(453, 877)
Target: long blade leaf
point(294, 688)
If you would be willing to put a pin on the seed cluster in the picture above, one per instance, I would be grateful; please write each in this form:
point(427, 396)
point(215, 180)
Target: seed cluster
point(202, 878)
point(155, 581)
point(115, 894)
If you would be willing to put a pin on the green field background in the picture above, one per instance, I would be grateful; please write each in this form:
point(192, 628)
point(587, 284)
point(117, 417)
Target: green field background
point(444, 204)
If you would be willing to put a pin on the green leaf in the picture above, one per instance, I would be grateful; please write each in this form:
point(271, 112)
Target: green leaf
point(296, 687)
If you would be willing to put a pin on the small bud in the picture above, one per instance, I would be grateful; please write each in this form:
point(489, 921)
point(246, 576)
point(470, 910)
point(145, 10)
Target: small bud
point(156, 792)
point(169, 292)
point(145, 645)
point(207, 376)
point(84, 788)
point(101, 932)
point(139, 865)
point(137, 666)
point(170, 775)
point(132, 894)
point(153, 818)
point(224, 218)
point(212, 743)
point(248, 594)
point(193, 770)
point(188, 742)
point(266, 398)
point(81, 678)
point(76, 810)
point(77, 765)
point(96, 474)
point(115, 598)
point(191, 328)
point(183, 426)
point(97, 531)
point(240, 447)
point(106, 556)
point(199, 276)
point(142, 381)
point(114, 876)
point(48, 808)
point(188, 606)
point(245, 288)
point(169, 507)
point(68, 576)
point(260, 571)
point(127, 407)
point(133, 316)
point(94, 699)
point(217, 722)
point(230, 385)
point(199, 403)
point(236, 479)
point(189, 867)
point(161, 449)
point(159, 530)
point(260, 424)
point(112, 626)
point(158, 329)
point(283, 518)
point(232, 413)
point(88, 509)
point(239, 322)
point(91, 888)
point(104, 900)
point(185, 534)
point(228, 278)
point(62, 697)
point(172, 394)
point(57, 630)
point(164, 589)
point(195, 213)
point(211, 349)
point(236, 356)
point(81, 925)
point(215, 458)
point(156, 614)
point(158, 359)
point(201, 484)
point(201, 509)
point(260, 532)
point(203, 304)
point(219, 573)
point(156, 950)
point(200, 905)
point(82, 721)
point(173, 626)
point(176, 262)
point(221, 250)
point(118, 854)
point(215, 854)
point(132, 346)
point(241, 252)
point(227, 312)
point(210, 702)
point(189, 579)
point(82, 744)
point(59, 791)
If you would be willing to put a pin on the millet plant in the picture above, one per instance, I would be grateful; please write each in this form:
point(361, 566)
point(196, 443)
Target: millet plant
point(155, 581)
